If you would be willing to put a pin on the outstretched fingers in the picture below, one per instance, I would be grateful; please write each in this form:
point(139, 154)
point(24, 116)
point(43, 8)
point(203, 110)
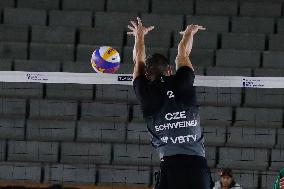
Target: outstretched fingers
point(130, 33)
point(139, 21)
point(133, 24)
point(201, 27)
point(150, 28)
point(131, 27)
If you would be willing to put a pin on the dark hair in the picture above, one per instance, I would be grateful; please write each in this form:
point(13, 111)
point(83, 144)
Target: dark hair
point(156, 64)
point(226, 172)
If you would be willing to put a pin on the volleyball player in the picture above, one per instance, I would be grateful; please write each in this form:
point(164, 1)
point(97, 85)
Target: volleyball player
point(169, 107)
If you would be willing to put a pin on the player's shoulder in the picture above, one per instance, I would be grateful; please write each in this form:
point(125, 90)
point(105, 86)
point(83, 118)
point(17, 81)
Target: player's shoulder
point(141, 79)
point(184, 69)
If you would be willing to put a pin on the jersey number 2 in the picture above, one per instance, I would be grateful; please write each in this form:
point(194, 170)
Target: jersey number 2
point(170, 94)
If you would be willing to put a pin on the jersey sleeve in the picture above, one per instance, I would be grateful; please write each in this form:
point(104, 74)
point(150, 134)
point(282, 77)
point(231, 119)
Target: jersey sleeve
point(139, 85)
point(184, 88)
point(184, 77)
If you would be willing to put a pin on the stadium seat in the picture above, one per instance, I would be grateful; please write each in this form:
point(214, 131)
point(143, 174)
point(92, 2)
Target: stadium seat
point(251, 137)
point(106, 21)
point(77, 67)
point(243, 158)
point(203, 40)
point(90, 5)
point(262, 72)
point(276, 42)
point(246, 178)
point(71, 174)
point(70, 18)
point(277, 159)
point(21, 90)
point(154, 39)
point(10, 107)
point(137, 132)
point(174, 22)
point(219, 8)
point(210, 115)
point(137, 113)
point(218, 24)
point(243, 41)
point(128, 53)
point(39, 4)
point(128, 6)
point(210, 154)
point(53, 34)
point(238, 58)
point(259, 117)
point(269, 98)
point(261, 9)
point(226, 71)
point(127, 57)
point(106, 111)
point(31, 17)
point(253, 25)
point(125, 69)
point(13, 50)
point(85, 153)
point(219, 96)
point(199, 70)
point(50, 130)
point(134, 154)
point(6, 64)
point(53, 109)
point(19, 171)
point(97, 37)
point(101, 131)
point(82, 135)
point(2, 150)
point(84, 54)
point(273, 59)
point(57, 52)
point(7, 3)
point(11, 33)
point(37, 66)
point(33, 151)
point(66, 91)
point(115, 93)
point(214, 135)
point(280, 26)
point(12, 128)
point(198, 57)
point(125, 175)
point(173, 7)
point(280, 138)
point(268, 179)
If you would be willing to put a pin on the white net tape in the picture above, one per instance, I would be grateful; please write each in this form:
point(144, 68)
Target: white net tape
point(126, 79)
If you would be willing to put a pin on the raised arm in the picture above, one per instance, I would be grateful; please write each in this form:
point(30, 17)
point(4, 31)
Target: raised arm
point(185, 45)
point(139, 55)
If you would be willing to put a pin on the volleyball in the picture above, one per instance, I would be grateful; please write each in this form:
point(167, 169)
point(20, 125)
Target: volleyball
point(105, 59)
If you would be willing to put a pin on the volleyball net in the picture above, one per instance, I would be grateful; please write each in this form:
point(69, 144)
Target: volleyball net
point(126, 79)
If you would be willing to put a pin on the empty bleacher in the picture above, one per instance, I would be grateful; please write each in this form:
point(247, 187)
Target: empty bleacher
point(95, 134)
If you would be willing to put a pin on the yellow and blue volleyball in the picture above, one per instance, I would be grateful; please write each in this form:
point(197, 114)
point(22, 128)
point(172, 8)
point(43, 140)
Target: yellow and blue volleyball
point(105, 59)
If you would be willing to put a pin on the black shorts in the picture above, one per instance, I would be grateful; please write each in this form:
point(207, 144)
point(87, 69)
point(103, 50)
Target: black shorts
point(184, 172)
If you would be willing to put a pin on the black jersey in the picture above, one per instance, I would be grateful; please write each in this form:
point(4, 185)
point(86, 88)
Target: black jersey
point(170, 110)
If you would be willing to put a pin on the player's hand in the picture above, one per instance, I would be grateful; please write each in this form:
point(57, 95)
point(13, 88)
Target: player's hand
point(137, 29)
point(282, 183)
point(192, 29)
